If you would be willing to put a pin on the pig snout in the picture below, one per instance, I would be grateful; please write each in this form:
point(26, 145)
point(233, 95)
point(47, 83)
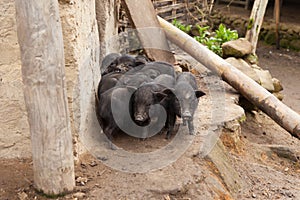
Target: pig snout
point(186, 115)
point(140, 117)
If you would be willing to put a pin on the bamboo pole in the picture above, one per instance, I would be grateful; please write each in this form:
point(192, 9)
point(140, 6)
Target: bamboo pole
point(259, 96)
point(255, 22)
point(41, 43)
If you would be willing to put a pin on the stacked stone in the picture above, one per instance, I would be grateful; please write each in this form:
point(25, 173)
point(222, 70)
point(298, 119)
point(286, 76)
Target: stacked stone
point(239, 54)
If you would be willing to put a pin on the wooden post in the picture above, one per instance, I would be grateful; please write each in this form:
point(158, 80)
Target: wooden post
point(259, 96)
point(41, 44)
point(153, 39)
point(277, 19)
point(255, 22)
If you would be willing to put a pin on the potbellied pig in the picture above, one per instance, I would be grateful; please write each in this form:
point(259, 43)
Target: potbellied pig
point(113, 110)
point(108, 81)
point(168, 81)
point(186, 100)
point(154, 69)
point(143, 105)
point(121, 63)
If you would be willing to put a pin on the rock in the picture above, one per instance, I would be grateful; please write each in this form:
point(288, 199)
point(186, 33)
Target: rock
point(284, 152)
point(237, 48)
point(278, 95)
point(82, 180)
point(244, 67)
point(265, 79)
point(277, 85)
point(255, 66)
point(79, 195)
point(295, 44)
point(177, 68)
point(270, 37)
point(252, 58)
point(22, 196)
point(231, 136)
point(285, 43)
point(222, 163)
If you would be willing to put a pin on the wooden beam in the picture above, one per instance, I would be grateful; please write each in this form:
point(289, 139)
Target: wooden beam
point(259, 96)
point(152, 37)
point(41, 43)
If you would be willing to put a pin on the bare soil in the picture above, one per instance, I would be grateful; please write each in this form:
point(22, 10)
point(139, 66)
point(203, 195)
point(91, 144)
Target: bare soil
point(270, 174)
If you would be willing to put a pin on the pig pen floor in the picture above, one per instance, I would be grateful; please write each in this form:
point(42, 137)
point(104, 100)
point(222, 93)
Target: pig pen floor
point(267, 175)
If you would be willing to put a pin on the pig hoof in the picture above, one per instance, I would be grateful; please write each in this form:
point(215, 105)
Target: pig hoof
point(192, 132)
point(168, 136)
point(114, 147)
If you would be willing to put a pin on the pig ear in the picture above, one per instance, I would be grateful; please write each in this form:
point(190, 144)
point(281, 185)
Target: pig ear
point(199, 93)
point(160, 95)
point(168, 91)
point(131, 88)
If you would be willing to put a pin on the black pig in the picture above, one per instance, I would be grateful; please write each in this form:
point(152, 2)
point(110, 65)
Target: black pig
point(120, 64)
point(154, 69)
point(108, 81)
point(148, 95)
point(186, 100)
point(113, 110)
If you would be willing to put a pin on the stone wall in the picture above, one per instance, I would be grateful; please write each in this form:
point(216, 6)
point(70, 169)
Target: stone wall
point(14, 128)
point(289, 33)
point(81, 48)
point(81, 45)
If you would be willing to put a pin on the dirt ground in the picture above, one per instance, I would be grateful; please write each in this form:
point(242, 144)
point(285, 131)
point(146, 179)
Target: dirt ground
point(268, 163)
point(271, 174)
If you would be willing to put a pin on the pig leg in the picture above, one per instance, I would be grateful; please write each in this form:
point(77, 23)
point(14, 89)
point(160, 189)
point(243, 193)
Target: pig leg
point(191, 127)
point(171, 122)
point(109, 134)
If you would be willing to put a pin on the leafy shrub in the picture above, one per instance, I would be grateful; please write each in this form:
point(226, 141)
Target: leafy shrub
point(212, 40)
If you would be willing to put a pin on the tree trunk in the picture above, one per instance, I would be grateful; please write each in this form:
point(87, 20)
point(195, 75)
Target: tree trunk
point(255, 22)
point(259, 96)
point(41, 44)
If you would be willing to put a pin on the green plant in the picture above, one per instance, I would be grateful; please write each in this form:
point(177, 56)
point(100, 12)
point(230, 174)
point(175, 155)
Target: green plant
point(214, 44)
point(212, 40)
point(203, 33)
point(225, 34)
point(184, 28)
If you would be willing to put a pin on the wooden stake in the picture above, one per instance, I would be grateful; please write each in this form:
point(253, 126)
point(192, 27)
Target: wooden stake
point(41, 44)
point(277, 19)
point(259, 96)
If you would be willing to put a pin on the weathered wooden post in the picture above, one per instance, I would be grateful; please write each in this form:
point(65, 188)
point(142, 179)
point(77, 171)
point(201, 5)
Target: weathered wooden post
point(153, 39)
point(277, 8)
point(255, 22)
point(41, 44)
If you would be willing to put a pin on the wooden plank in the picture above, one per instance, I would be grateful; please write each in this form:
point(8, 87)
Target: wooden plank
point(173, 7)
point(41, 44)
point(143, 16)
